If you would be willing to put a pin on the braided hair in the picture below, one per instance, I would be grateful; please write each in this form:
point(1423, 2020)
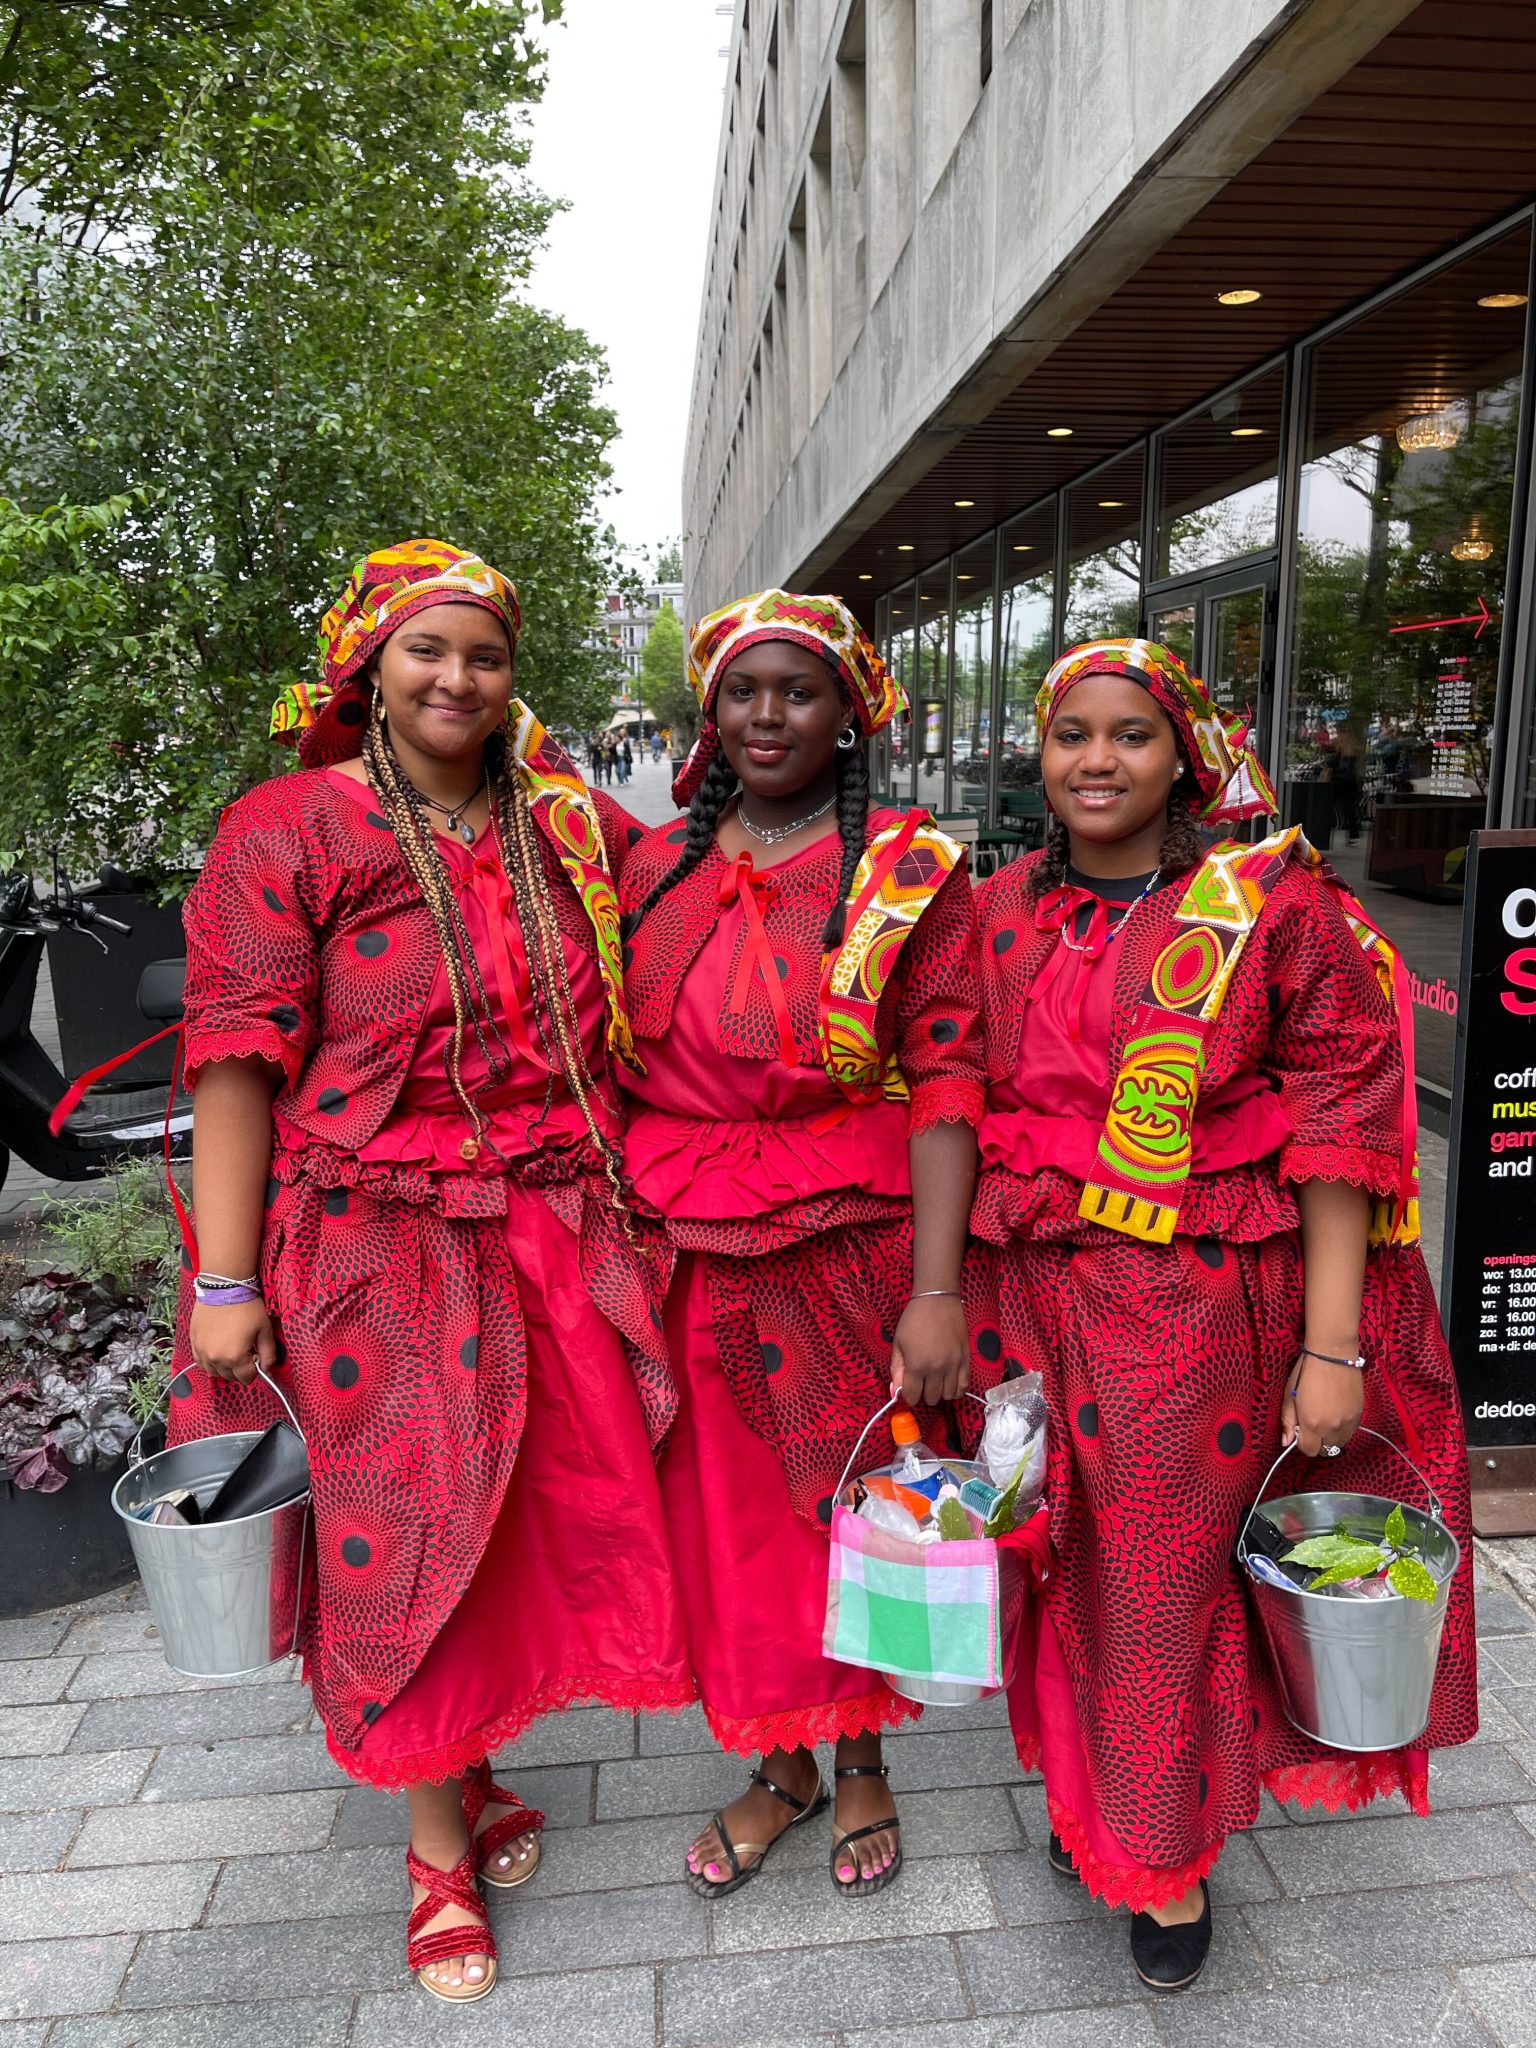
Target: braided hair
point(852, 821)
point(720, 784)
point(553, 1014)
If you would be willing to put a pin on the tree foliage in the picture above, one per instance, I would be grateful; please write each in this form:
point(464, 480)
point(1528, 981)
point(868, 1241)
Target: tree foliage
point(263, 290)
point(664, 688)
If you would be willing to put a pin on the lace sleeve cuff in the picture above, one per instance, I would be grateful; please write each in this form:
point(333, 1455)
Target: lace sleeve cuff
point(1380, 1172)
point(205, 1047)
point(947, 1099)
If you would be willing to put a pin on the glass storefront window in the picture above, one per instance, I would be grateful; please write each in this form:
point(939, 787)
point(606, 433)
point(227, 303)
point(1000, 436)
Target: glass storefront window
point(1027, 605)
point(903, 663)
point(1103, 567)
point(971, 745)
point(1219, 479)
point(930, 695)
point(1405, 495)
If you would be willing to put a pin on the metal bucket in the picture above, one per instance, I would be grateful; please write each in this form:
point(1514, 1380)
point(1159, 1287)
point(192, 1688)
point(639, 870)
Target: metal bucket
point(1354, 1674)
point(225, 1597)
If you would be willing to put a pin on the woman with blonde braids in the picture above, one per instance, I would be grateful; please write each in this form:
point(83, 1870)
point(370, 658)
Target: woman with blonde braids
point(403, 1009)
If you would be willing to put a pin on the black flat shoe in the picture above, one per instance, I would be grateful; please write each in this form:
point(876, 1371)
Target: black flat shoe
point(1059, 1859)
point(1171, 1958)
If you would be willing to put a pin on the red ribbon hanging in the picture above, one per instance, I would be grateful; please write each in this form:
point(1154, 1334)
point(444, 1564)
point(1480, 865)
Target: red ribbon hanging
point(742, 884)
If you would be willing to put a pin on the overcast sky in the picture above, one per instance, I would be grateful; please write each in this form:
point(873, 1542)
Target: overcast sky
point(627, 133)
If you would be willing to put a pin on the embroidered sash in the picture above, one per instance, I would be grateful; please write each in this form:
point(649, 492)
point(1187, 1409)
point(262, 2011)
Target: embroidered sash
point(1146, 1145)
point(565, 813)
point(902, 870)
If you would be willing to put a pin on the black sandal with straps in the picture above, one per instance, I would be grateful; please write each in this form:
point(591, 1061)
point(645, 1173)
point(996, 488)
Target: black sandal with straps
point(719, 1888)
point(865, 1887)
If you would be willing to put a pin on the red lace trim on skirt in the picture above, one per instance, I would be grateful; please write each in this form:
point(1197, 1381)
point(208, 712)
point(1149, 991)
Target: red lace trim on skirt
point(453, 1759)
point(1339, 1782)
point(867, 1713)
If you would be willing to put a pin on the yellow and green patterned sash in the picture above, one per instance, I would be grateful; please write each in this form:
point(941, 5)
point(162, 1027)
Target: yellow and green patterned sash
point(1146, 1145)
point(902, 870)
point(565, 813)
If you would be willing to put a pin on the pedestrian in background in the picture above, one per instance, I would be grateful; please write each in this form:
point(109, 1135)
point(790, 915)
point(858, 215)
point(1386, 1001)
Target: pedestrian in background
point(403, 1011)
point(1198, 1220)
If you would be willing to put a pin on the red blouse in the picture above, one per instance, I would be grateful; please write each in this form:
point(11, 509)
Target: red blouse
point(721, 1124)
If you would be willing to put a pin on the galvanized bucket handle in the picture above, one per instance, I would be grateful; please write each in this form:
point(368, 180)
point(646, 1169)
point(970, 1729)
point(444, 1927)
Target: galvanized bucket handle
point(1285, 1451)
point(135, 1461)
point(864, 1432)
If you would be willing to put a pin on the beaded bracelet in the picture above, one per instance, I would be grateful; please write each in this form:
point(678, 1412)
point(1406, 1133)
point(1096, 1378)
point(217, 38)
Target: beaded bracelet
point(216, 1290)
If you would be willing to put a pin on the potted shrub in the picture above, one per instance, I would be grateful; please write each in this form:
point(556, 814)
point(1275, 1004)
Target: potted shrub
point(85, 1348)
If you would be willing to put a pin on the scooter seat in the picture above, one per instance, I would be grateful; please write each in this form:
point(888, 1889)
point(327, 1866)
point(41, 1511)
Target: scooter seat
point(160, 991)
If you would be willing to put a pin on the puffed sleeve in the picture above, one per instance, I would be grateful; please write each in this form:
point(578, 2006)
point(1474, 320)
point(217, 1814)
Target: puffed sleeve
point(253, 969)
point(1334, 1048)
point(939, 1041)
point(621, 831)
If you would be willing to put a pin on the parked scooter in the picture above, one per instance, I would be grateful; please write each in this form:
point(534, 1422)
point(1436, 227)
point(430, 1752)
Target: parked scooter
point(106, 1127)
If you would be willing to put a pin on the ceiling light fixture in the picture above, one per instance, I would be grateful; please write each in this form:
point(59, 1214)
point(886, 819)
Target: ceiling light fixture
point(1243, 296)
point(964, 504)
point(962, 577)
point(1023, 547)
point(1058, 433)
point(1424, 432)
point(905, 547)
point(1474, 545)
point(1245, 433)
point(1501, 302)
point(1110, 504)
point(865, 576)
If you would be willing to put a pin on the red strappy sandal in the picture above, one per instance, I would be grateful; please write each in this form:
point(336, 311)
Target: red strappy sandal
point(480, 1791)
point(456, 1887)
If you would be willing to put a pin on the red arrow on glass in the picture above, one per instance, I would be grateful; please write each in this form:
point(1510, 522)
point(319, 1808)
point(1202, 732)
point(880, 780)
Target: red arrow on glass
point(1480, 618)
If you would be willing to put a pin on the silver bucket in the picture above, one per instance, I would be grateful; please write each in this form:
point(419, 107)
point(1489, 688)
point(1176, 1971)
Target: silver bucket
point(1354, 1674)
point(225, 1597)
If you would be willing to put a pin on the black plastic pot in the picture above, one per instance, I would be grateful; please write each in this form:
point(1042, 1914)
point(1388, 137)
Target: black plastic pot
point(64, 1546)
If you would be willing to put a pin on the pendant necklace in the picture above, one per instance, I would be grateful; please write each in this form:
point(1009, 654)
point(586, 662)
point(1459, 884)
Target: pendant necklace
point(771, 835)
point(1120, 922)
point(454, 813)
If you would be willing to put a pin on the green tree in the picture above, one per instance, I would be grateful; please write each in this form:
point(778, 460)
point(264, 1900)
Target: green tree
point(664, 688)
point(269, 290)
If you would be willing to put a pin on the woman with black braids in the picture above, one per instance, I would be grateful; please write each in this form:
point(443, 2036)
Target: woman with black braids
point(802, 983)
point(403, 1010)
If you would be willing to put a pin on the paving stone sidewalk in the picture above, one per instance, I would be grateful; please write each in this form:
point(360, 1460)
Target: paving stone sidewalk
point(183, 1865)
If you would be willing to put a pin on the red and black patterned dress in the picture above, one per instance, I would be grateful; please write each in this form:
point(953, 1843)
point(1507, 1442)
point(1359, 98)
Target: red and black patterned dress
point(474, 1347)
point(789, 1205)
point(1147, 1697)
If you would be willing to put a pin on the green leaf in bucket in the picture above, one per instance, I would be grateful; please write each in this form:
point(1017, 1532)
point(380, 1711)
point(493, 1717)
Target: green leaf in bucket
point(1329, 1553)
point(1412, 1579)
point(1366, 1563)
point(1396, 1529)
point(954, 1522)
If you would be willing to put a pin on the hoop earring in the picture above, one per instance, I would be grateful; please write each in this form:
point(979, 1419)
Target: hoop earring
point(847, 740)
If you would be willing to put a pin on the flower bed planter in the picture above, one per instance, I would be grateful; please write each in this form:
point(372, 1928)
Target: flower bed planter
point(64, 1546)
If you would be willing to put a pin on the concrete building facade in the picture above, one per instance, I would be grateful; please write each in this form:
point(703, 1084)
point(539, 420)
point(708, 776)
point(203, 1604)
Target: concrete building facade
point(1027, 320)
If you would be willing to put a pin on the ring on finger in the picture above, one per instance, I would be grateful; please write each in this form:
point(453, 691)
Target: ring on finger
point(1333, 1450)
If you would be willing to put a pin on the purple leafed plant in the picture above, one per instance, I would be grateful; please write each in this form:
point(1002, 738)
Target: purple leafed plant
point(72, 1349)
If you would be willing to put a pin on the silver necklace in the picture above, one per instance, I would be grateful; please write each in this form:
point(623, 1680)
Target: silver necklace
point(771, 835)
point(453, 813)
point(1120, 922)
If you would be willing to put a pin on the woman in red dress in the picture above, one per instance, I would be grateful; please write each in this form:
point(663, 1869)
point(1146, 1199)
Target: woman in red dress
point(802, 983)
point(403, 1007)
point(1198, 1221)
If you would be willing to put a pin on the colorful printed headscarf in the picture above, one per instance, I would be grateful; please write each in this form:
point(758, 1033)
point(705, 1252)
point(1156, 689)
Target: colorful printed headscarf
point(823, 624)
point(1233, 782)
point(385, 588)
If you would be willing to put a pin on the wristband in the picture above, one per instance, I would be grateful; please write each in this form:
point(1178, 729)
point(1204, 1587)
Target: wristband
point(933, 1293)
point(216, 1292)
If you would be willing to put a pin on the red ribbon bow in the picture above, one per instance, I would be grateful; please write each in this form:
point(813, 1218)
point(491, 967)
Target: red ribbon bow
point(754, 892)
